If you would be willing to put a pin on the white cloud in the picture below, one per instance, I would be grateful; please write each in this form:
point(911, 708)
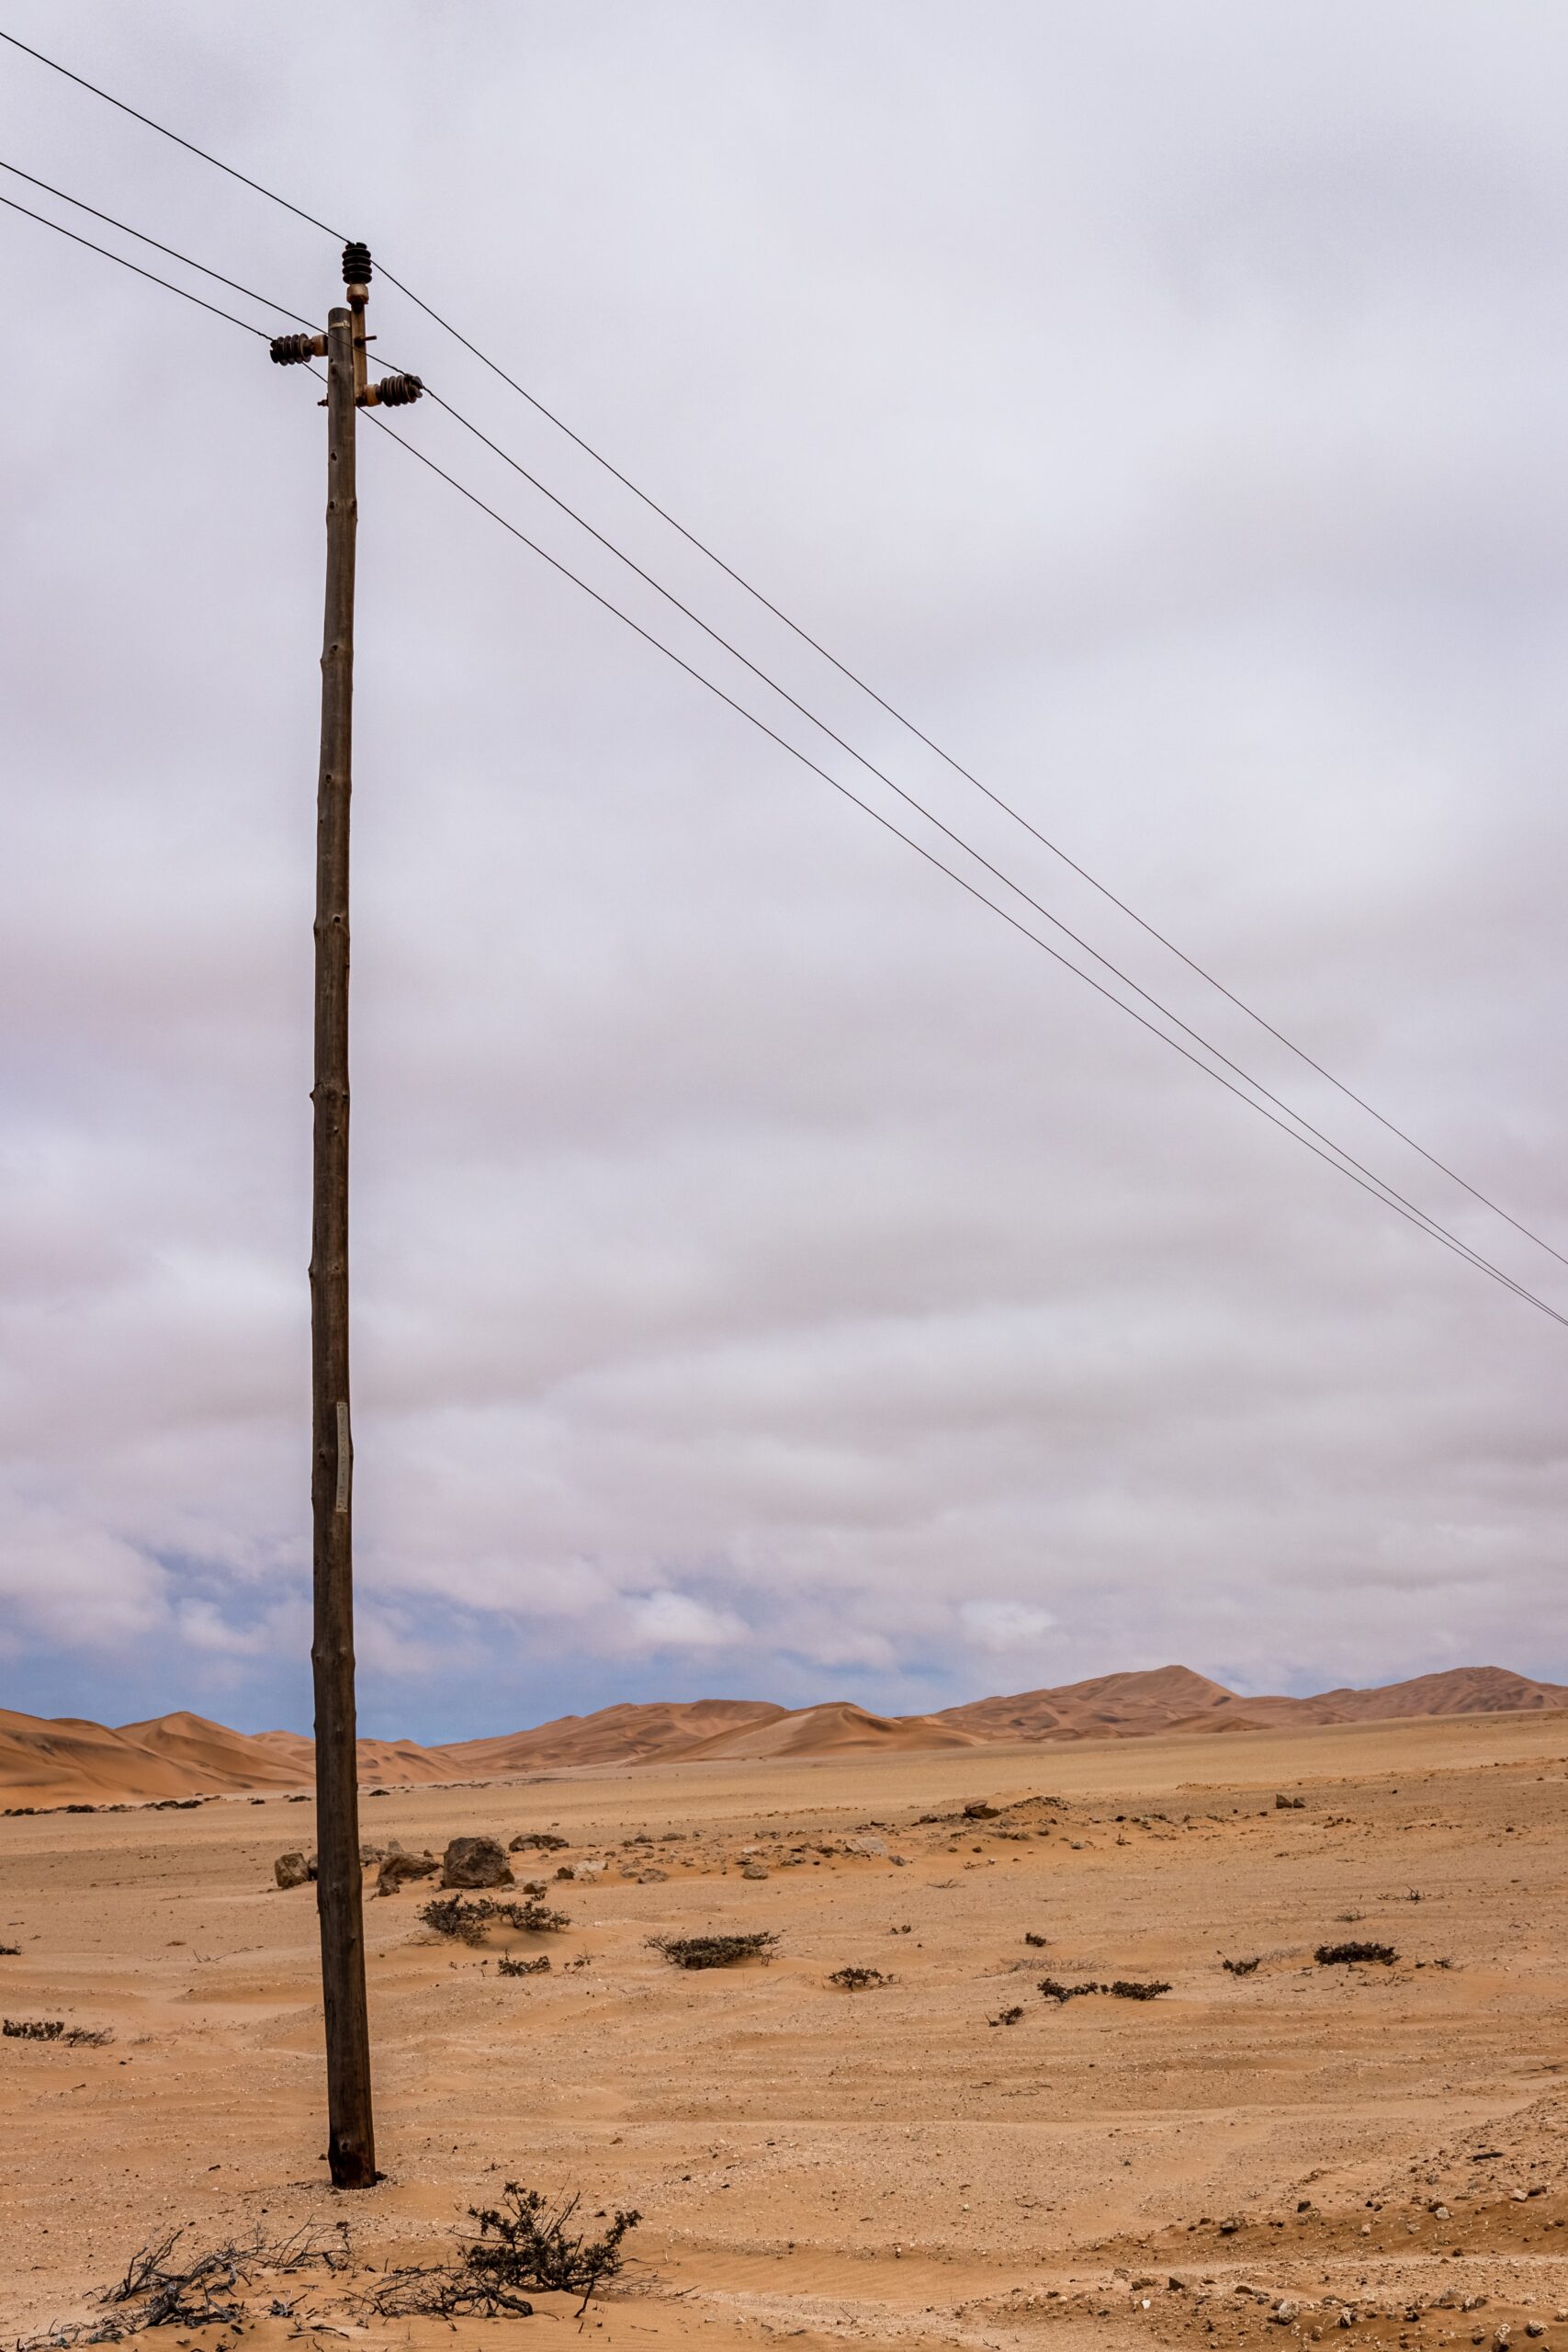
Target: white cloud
point(763, 1260)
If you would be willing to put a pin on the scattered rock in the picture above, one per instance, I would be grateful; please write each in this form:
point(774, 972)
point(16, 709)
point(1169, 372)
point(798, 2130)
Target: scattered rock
point(294, 1869)
point(981, 1809)
point(398, 1869)
point(753, 1870)
point(875, 1847)
point(1287, 2312)
point(475, 1861)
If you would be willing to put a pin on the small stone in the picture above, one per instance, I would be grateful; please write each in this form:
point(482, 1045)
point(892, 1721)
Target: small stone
point(293, 1869)
point(475, 1861)
point(1287, 2312)
point(753, 1870)
point(1500, 2341)
point(1439, 2212)
point(875, 1847)
point(1535, 2327)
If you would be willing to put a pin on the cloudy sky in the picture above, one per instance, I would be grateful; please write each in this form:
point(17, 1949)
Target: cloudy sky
point(773, 1275)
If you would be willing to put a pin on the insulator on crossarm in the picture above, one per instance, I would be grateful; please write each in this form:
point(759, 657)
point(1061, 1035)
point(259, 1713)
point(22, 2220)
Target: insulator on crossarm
point(355, 263)
point(293, 350)
point(394, 391)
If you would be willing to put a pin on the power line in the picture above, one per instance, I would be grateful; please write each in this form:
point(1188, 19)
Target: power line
point(112, 222)
point(152, 275)
point(1334, 1154)
point(1368, 1183)
point(807, 639)
point(958, 840)
point(164, 132)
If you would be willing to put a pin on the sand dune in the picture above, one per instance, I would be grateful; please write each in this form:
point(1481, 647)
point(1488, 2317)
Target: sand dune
point(73, 1762)
point(619, 1734)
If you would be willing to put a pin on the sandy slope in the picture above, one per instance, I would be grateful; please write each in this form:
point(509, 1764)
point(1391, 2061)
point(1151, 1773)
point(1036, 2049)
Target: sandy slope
point(889, 2166)
point(48, 1764)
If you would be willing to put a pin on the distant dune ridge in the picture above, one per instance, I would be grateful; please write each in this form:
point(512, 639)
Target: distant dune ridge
point(68, 1761)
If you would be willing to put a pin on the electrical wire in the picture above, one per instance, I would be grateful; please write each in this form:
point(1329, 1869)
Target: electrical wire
point(167, 283)
point(804, 636)
point(931, 818)
point(1334, 1154)
point(112, 222)
point(1341, 1163)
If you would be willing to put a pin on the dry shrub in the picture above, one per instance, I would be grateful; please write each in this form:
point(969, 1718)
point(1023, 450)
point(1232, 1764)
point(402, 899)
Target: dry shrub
point(1005, 2017)
point(1122, 1989)
point(1347, 1955)
point(713, 1952)
point(162, 2289)
point(468, 1918)
point(540, 1967)
point(1241, 1967)
point(71, 2037)
point(858, 1979)
point(524, 2241)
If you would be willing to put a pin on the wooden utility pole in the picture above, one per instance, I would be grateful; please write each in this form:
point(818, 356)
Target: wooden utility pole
point(351, 2136)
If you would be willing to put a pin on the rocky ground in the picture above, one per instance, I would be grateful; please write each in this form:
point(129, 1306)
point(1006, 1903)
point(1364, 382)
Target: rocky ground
point(1359, 2154)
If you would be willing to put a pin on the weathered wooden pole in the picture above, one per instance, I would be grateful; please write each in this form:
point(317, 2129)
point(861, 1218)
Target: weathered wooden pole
point(351, 2131)
point(351, 2136)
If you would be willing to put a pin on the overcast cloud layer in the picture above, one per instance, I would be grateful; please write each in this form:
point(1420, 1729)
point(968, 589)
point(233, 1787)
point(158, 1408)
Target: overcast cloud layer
point(774, 1276)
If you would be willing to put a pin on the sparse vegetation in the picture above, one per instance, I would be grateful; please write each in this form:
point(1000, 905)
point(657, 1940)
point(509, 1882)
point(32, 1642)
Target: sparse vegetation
point(1005, 2017)
point(1350, 1955)
point(468, 1918)
point(1123, 1988)
point(522, 2243)
point(715, 1951)
point(540, 1967)
point(162, 2289)
point(1242, 1967)
point(71, 2037)
point(1038, 1941)
point(10, 1951)
point(858, 1979)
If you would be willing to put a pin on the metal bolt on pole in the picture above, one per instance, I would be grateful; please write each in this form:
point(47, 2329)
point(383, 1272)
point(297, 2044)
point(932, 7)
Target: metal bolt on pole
point(351, 2136)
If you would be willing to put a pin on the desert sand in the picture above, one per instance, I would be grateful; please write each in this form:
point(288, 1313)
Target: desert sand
point(886, 2166)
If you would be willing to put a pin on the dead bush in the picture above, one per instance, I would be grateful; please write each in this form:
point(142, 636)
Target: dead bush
point(524, 2242)
point(468, 1918)
point(1241, 1967)
point(1350, 1955)
point(10, 1951)
point(1005, 2016)
point(713, 1952)
point(540, 1967)
point(160, 2288)
point(71, 2037)
point(858, 1979)
point(1039, 1942)
point(1123, 1988)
